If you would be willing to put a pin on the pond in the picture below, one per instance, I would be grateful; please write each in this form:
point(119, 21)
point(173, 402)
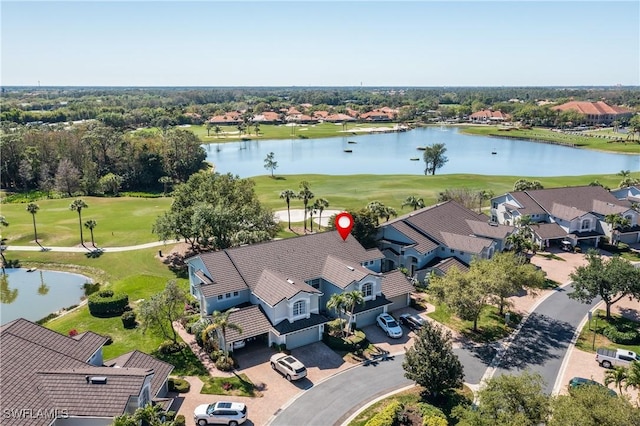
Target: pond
point(397, 153)
point(34, 295)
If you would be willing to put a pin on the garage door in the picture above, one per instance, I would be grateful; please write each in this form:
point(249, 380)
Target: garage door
point(367, 318)
point(398, 302)
point(302, 338)
point(629, 238)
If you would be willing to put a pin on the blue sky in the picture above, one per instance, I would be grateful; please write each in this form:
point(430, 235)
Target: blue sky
point(324, 43)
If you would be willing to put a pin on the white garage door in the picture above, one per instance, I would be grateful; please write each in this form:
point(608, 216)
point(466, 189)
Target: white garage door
point(302, 338)
point(398, 302)
point(368, 318)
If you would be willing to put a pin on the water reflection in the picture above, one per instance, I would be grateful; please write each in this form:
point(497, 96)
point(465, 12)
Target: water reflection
point(43, 290)
point(7, 295)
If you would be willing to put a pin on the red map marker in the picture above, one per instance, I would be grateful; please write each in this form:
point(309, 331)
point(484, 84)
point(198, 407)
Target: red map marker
point(344, 224)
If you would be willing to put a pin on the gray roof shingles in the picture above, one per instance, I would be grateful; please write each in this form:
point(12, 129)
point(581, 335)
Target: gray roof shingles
point(395, 284)
point(273, 287)
point(141, 360)
point(343, 273)
point(593, 199)
point(251, 320)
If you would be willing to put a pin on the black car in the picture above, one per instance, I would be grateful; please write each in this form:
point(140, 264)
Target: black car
point(412, 322)
point(581, 381)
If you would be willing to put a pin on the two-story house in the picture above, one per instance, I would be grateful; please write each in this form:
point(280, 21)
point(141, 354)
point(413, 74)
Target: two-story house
point(279, 289)
point(439, 237)
point(51, 379)
point(576, 214)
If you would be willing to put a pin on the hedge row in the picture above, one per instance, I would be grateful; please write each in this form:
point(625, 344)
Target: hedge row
point(357, 340)
point(106, 303)
point(622, 335)
point(178, 385)
point(388, 416)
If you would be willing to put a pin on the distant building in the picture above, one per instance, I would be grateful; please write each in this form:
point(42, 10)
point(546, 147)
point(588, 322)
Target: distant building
point(596, 112)
point(489, 116)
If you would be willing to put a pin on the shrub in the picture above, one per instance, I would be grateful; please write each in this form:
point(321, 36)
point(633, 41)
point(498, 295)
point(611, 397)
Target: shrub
point(170, 415)
point(224, 363)
point(106, 303)
point(47, 318)
point(73, 332)
point(216, 354)
point(388, 416)
point(577, 249)
point(622, 334)
point(90, 288)
point(180, 420)
point(349, 344)
point(432, 416)
point(129, 319)
point(168, 347)
point(178, 385)
point(435, 421)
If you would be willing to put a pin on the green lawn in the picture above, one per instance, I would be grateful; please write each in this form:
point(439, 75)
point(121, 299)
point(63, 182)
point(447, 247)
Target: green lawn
point(586, 339)
point(273, 131)
point(237, 385)
point(590, 142)
point(491, 325)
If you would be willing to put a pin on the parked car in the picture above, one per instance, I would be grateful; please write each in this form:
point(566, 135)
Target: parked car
point(412, 322)
point(608, 358)
point(288, 366)
point(581, 381)
point(239, 344)
point(389, 325)
point(220, 413)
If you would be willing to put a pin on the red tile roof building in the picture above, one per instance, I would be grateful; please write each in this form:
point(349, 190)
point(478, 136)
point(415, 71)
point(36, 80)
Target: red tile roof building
point(488, 115)
point(596, 112)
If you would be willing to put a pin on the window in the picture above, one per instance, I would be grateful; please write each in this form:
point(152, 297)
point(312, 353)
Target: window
point(586, 224)
point(452, 250)
point(220, 297)
point(367, 290)
point(495, 205)
point(299, 308)
point(235, 294)
point(228, 295)
point(494, 218)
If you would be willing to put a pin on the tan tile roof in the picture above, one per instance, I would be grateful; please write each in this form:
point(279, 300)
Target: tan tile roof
point(451, 262)
point(423, 244)
point(338, 117)
point(274, 287)
point(342, 273)
point(221, 270)
point(592, 108)
point(575, 201)
point(529, 205)
point(69, 388)
point(251, 320)
point(395, 284)
point(452, 225)
point(141, 360)
point(548, 231)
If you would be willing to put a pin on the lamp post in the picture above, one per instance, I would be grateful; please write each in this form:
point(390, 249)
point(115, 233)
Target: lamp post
point(595, 330)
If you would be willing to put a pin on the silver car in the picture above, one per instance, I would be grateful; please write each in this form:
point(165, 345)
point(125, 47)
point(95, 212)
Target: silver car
point(389, 325)
point(288, 366)
point(220, 413)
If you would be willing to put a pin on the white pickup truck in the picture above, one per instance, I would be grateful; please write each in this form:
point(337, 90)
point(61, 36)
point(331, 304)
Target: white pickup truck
point(608, 358)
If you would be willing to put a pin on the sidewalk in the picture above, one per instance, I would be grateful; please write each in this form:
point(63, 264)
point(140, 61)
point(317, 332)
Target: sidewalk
point(89, 248)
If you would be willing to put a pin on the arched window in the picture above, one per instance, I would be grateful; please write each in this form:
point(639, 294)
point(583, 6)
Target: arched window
point(299, 308)
point(367, 290)
point(586, 224)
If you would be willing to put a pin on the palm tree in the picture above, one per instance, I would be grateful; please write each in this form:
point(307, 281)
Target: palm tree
point(90, 224)
point(256, 127)
point(311, 209)
point(33, 209)
point(288, 195)
point(209, 126)
point(337, 303)
point(377, 210)
point(3, 222)
point(617, 375)
point(305, 195)
point(413, 201)
point(217, 130)
point(220, 323)
point(617, 222)
point(353, 299)
point(320, 204)
point(77, 206)
point(633, 375)
point(388, 212)
point(484, 195)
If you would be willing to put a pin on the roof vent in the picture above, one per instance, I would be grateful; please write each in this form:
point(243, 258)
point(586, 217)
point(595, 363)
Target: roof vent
point(289, 280)
point(98, 380)
point(351, 268)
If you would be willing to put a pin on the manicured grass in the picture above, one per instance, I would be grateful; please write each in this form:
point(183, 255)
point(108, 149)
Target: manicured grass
point(410, 399)
point(583, 141)
point(237, 385)
point(586, 342)
point(275, 131)
point(491, 325)
point(121, 221)
point(355, 191)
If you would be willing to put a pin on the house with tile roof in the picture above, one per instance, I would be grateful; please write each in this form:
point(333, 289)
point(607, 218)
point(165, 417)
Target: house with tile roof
point(439, 237)
point(631, 194)
point(47, 378)
point(489, 116)
point(596, 112)
point(278, 290)
point(576, 214)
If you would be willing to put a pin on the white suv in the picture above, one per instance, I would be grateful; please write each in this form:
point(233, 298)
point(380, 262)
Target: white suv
point(220, 413)
point(387, 323)
point(288, 366)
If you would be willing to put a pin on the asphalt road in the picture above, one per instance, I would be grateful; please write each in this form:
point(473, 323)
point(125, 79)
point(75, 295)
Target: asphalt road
point(541, 345)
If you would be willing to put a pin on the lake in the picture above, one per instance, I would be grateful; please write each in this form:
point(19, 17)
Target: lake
point(34, 295)
point(391, 153)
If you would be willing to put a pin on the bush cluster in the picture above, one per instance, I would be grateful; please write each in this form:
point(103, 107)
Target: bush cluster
point(178, 385)
point(180, 420)
point(432, 416)
point(129, 319)
point(353, 342)
point(622, 334)
point(106, 303)
point(388, 416)
point(225, 363)
point(168, 347)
